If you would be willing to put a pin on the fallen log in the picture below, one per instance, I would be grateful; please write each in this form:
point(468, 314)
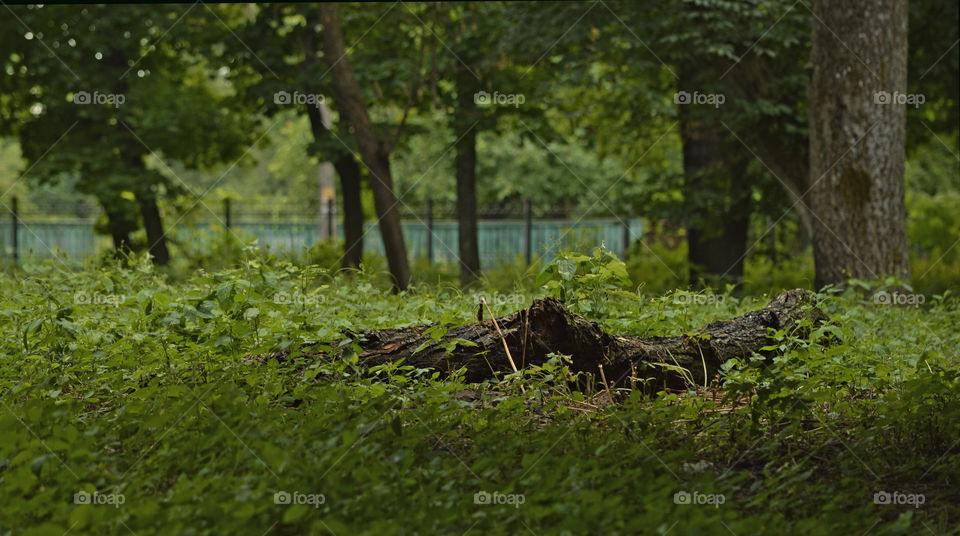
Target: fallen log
point(548, 327)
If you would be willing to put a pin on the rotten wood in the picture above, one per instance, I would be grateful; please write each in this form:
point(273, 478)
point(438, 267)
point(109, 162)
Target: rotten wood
point(548, 327)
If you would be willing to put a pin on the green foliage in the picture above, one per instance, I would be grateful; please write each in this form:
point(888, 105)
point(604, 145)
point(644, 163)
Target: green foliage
point(933, 224)
point(119, 382)
point(658, 266)
point(585, 282)
point(511, 166)
point(113, 94)
point(158, 390)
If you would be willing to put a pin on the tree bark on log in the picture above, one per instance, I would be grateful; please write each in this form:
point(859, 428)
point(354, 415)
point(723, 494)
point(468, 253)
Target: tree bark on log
point(548, 327)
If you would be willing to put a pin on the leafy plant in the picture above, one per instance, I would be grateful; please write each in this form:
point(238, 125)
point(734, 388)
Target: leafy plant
point(585, 282)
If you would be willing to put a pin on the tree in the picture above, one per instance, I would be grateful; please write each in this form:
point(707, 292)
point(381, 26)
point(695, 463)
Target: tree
point(492, 54)
point(464, 119)
point(737, 153)
point(349, 172)
point(857, 127)
point(287, 62)
point(717, 185)
point(374, 150)
point(630, 59)
point(468, 62)
point(933, 68)
point(94, 93)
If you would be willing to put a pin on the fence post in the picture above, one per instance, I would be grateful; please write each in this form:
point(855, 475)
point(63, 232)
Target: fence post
point(429, 222)
point(14, 224)
point(626, 237)
point(527, 231)
point(226, 213)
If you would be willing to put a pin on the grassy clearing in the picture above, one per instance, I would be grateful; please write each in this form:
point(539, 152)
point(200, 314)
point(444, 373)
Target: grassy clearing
point(128, 407)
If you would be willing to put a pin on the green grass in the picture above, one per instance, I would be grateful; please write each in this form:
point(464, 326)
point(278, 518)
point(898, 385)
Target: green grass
point(133, 385)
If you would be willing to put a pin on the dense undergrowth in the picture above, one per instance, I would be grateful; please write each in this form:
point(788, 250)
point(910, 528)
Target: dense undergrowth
point(129, 407)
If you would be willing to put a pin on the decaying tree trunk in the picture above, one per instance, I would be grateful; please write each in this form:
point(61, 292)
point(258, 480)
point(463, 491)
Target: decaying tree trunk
point(548, 327)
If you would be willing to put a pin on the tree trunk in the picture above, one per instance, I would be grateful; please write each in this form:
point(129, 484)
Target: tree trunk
point(547, 327)
point(857, 155)
point(119, 229)
point(717, 243)
point(149, 211)
point(372, 149)
point(466, 166)
point(156, 238)
point(717, 255)
point(349, 173)
point(781, 150)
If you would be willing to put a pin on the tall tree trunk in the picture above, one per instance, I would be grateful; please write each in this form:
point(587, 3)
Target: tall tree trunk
point(372, 149)
point(152, 223)
point(717, 243)
point(149, 211)
point(857, 151)
point(349, 173)
point(466, 166)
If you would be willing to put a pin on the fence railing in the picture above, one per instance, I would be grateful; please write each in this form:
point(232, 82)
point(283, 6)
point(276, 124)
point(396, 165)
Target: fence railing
point(499, 240)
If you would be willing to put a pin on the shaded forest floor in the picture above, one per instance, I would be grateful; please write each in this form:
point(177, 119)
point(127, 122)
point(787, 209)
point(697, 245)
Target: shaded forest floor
point(130, 405)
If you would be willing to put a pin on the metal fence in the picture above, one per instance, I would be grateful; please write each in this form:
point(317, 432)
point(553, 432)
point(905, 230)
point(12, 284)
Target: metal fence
point(501, 240)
